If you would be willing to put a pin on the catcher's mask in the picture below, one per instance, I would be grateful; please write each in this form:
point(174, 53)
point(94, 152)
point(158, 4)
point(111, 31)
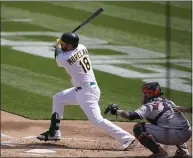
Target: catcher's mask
point(69, 38)
point(150, 91)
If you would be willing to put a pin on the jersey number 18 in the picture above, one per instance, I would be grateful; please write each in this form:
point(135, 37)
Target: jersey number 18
point(85, 64)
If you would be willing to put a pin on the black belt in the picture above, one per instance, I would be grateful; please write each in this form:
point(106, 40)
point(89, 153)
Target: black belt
point(79, 88)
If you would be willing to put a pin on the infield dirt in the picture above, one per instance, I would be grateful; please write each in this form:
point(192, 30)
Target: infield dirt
point(79, 139)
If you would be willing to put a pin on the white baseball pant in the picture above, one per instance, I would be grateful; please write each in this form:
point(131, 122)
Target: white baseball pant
point(88, 98)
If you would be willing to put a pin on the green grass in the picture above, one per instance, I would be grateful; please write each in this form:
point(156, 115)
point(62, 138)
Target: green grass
point(16, 38)
point(117, 27)
point(17, 93)
point(31, 38)
point(105, 52)
point(26, 79)
point(187, 80)
point(16, 26)
point(41, 38)
point(134, 26)
point(156, 8)
point(32, 63)
point(130, 67)
point(32, 105)
point(174, 66)
point(130, 14)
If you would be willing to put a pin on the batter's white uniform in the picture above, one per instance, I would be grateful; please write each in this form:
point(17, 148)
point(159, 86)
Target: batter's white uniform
point(85, 91)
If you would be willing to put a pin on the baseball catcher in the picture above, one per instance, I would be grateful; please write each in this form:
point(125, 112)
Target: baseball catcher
point(166, 125)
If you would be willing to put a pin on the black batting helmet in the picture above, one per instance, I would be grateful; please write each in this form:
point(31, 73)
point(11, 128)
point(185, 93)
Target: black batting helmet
point(69, 38)
point(150, 91)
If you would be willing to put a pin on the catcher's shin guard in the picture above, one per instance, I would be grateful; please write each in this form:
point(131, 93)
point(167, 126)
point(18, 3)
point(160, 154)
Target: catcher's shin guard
point(145, 138)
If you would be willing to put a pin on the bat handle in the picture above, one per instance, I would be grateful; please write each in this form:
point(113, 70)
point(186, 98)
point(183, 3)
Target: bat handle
point(76, 29)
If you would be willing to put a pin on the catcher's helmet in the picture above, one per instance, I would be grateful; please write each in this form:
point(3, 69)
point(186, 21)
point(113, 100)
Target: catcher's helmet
point(69, 38)
point(150, 91)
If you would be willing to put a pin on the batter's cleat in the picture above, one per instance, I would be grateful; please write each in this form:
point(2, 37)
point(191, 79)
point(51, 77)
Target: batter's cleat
point(50, 136)
point(184, 154)
point(126, 144)
point(159, 155)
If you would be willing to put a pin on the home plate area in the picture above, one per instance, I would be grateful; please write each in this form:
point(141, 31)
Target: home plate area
point(79, 139)
point(66, 147)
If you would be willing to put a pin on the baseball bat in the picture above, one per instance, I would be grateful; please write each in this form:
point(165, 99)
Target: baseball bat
point(92, 16)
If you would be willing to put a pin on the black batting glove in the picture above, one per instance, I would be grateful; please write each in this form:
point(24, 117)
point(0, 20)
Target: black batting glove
point(57, 51)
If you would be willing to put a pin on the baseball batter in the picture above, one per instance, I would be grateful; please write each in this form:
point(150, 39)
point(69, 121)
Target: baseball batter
point(74, 58)
point(167, 126)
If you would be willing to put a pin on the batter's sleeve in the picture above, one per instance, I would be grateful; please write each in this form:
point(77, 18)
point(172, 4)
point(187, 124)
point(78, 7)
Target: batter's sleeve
point(144, 111)
point(60, 60)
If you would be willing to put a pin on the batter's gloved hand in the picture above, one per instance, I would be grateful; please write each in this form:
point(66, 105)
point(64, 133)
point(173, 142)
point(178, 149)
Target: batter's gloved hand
point(112, 108)
point(57, 51)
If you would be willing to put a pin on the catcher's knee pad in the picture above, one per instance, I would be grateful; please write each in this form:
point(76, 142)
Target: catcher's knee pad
point(145, 138)
point(55, 120)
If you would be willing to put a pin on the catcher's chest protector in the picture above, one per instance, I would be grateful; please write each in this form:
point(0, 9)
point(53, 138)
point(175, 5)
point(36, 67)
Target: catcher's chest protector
point(166, 108)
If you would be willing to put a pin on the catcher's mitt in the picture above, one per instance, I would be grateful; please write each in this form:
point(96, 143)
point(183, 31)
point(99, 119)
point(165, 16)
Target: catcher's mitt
point(112, 108)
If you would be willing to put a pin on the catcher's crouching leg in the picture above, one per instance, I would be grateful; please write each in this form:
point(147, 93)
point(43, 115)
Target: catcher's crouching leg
point(53, 133)
point(145, 138)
